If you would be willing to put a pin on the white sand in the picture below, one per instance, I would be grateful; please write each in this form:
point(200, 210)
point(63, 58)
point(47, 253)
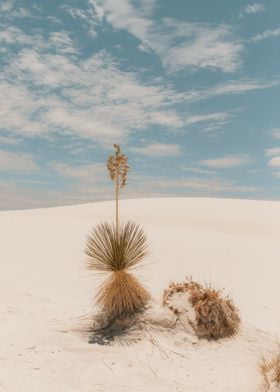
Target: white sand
point(45, 288)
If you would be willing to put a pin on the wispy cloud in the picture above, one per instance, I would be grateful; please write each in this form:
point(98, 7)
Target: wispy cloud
point(192, 185)
point(198, 170)
point(214, 120)
point(57, 42)
point(266, 34)
point(211, 122)
point(276, 174)
point(274, 162)
point(6, 5)
point(231, 88)
point(12, 140)
point(85, 182)
point(271, 152)
point(243, 86)
point(83, 172)
point(10, 9)
point(14, 35)
point(275, 133)
point(228, 161)
point(17, 162)
point(253, 8)
point(186, 45)
point(96, 99)
point(87, 17)
point(158, 150)
point(63, 43)
point(208, 117)
point(179, 45)
point(274, 154)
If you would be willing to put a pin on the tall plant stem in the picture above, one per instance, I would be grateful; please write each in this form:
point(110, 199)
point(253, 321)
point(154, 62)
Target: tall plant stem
point(117, 204)
point(118, 168)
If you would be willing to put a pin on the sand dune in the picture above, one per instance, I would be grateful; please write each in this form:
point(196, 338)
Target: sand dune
point(46, 292)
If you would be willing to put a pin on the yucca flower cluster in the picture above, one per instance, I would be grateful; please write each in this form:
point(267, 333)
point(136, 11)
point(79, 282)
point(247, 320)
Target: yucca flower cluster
point(118, 170)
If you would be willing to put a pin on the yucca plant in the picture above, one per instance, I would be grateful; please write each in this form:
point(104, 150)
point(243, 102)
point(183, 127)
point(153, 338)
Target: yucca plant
point(116, 249)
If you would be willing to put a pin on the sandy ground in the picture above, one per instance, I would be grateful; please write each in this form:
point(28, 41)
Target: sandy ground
point(46, 295)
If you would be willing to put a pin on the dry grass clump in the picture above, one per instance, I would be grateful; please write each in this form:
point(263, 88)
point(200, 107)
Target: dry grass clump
point(270, 371)
point(215, 316)
point(122, 295)
point(116, 253)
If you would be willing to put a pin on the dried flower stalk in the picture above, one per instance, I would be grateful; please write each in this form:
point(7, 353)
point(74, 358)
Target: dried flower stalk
point(118, 169)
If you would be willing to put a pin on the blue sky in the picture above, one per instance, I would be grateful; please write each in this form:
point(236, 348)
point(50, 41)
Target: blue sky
point(189, 89)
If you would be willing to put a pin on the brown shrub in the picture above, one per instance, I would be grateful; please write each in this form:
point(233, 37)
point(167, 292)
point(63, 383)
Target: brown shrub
point(270, 371)
point(215, 316)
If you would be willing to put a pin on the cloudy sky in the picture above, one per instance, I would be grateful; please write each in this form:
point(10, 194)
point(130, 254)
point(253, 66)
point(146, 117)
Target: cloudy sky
point(190, 89)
